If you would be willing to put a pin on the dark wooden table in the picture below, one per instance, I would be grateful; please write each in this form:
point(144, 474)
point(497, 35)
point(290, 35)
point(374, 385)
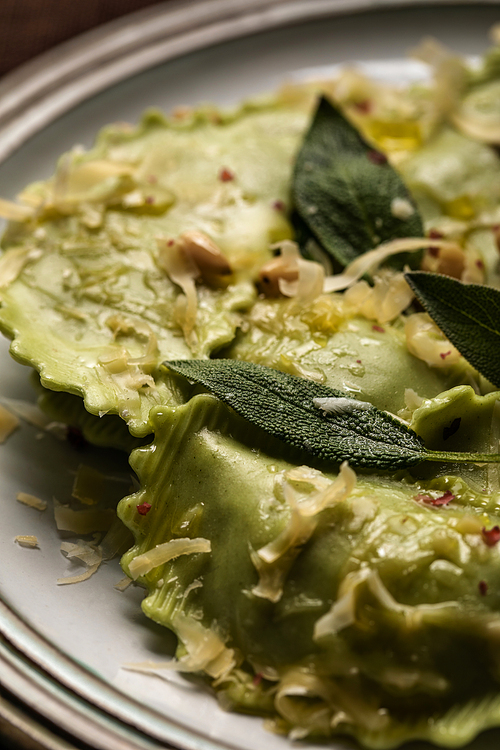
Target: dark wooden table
point(29, 27)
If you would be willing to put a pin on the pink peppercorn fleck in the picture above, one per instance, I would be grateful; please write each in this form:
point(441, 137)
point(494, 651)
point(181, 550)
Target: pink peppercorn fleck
point(364, 106)
point(379, 329)
point(225, 175)
point(483, 588)
point(435, 501)
point(376, 157)
point(491, 536)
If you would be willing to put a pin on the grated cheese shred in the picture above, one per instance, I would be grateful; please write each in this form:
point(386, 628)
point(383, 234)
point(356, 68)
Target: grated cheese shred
point(162, 553)
point(8, 423)
point(31, 500)
point(27, 540)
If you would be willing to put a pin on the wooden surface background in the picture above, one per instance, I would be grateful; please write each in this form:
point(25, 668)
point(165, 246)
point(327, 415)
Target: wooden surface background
point(29, 27)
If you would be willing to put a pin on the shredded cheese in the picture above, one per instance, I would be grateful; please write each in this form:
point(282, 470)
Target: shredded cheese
point(88, 554)
point(123, 584)
point(370, 260)
point(340, 405)
point(31, 500)
point(162, 553)
point(274, 560)
point(401, 208)
point(8, 423)
point(27, 411)
point(82, 521)
point(27, 540)
point(14, 211)
point(205, 652)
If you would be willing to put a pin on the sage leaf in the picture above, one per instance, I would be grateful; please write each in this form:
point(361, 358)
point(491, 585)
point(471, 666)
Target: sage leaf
point(340, 429)
point(468, 314)
point(344, 191)
point(310, 248)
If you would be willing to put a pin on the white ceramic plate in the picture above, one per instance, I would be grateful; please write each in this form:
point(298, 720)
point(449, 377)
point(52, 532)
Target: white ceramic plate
point(218, 51)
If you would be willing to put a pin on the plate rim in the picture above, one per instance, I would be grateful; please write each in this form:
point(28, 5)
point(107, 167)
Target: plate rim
point(39, 91)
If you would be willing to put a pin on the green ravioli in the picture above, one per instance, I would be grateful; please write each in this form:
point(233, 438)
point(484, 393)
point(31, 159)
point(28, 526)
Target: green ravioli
point(83, 287)
point(359, 607)
point(332, 603)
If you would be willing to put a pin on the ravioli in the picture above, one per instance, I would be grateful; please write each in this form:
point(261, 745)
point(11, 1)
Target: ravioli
point(330, 601)
point(84, 294)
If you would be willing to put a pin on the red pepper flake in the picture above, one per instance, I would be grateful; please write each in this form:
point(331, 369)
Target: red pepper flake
point(364, 106)
point(225, 175)
point(434, 252)
point(436, 501)
point(258, 679)
point(379, 329)
point(376, 157)
point(483, 588)
point(170, 243)
point(434, 234)
point(149, 199)
point(278, 205)
point(491, 536)
point(358, 361)
point(443, 355)
point(144, 508)
point(480, 264)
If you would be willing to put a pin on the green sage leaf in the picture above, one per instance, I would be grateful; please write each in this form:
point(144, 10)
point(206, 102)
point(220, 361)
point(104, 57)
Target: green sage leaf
point(346, 192)
point(468, 314)
point(343, 429)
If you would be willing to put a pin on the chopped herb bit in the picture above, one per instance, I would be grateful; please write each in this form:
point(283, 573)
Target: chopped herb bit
point(452, 428)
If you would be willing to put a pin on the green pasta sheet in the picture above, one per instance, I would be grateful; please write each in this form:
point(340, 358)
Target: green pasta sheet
point(322, 342)
point(454, 175)
point(108, 431)
point(84, 290)
point(366, 606)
